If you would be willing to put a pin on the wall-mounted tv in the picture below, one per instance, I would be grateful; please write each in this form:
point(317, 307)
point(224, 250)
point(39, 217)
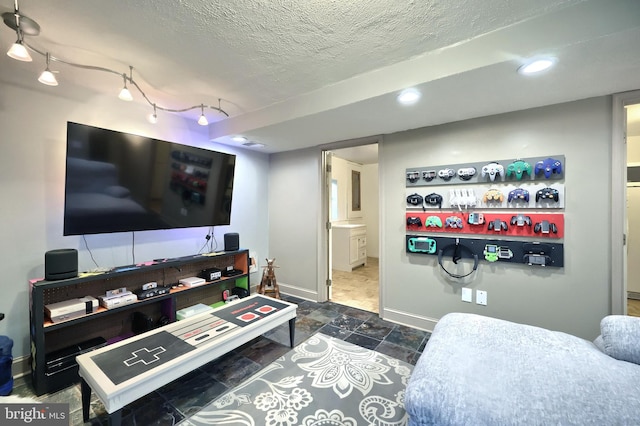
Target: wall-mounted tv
point(118, 182)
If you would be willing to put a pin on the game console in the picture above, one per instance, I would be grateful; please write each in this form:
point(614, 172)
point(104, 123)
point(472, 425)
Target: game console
point(151, 292)
point(118, 299)
point(91, 304)
point(192, 281)
point(230, 271)
point(65, 310)
point(211, 274)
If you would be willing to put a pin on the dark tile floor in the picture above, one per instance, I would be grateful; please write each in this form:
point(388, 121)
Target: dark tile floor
point(180, 399)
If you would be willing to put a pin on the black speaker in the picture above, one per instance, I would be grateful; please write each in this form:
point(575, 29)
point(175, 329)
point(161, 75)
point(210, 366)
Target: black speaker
point(60, 264)
point(231, 242)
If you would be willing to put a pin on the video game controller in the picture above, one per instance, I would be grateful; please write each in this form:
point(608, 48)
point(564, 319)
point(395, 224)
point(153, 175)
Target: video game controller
point(492, 170)
point(446, 174)
point(475, 219)
point(415, 199)
point(518, 168)
point(545, 227)
point(498, 225)
point(414, 221)
point(421, 245)
point(466, 173)
point(548, 167)
point(433, 199)
point(429, 175)
point(433, 222)
point(518, 194)
point(413, 176)
point(547, 194)
point(493, 196)
point(453, 222)
point(520, 220)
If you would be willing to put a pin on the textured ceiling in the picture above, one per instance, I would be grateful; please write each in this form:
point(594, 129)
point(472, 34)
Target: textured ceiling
point(294, 74)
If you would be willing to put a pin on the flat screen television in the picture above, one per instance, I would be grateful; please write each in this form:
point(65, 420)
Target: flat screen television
point(119, 182)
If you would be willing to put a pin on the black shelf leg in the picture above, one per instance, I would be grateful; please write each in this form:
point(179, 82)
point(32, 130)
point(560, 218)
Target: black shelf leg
point(292, 330)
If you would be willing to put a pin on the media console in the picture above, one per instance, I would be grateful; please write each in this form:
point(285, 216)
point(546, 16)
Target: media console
point(74, 336)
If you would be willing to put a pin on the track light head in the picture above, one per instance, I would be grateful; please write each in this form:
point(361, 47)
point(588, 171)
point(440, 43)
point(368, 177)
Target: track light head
point(47, 76)
point(202, 120)
point(19, 52)
point(125, 94)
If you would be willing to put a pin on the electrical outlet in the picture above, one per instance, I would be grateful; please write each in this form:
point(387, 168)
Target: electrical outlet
point(467, 295)
point(481, 297)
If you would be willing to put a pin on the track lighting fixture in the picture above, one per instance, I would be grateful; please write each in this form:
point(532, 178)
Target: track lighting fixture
point(47, 76)
point(125, 94)
point(18, 51)
point(24, 25)
point(153, 118)
point(202, 120)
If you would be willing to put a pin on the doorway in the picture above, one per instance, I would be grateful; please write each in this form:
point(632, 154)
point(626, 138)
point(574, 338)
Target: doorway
point(353, 261)
point(633, 208)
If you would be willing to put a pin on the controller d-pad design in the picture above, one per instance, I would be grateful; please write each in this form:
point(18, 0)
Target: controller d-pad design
point(519, 168)
point(466, 173)
point(413, 176)
point(493, 196)
point(414, 221)
point(454, 222)
point(433, 222)
point(475, 219)
point(498, 225)
point(518, 194)
point(421, 245)
point(521, 220)
point(429, 175)
point(548, 167)
point(545, 227)
point(492, 170)
point(446, 174)
point(414, 199)
point(433, 199)
point(547, 194)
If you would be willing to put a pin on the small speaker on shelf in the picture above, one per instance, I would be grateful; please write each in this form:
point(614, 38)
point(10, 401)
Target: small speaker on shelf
point(231, 241)
point(60, 264)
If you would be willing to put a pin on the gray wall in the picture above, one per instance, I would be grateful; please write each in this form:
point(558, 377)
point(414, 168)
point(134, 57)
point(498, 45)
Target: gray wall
point(571, 299)
point(32, 167)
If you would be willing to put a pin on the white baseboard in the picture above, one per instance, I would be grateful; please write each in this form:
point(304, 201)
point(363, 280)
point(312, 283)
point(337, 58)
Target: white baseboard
point(298, 292)
point(411, 320)
point(21, 366)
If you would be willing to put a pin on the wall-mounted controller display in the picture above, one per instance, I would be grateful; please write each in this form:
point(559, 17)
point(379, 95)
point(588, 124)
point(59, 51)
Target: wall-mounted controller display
point(534, 253)
point(528, 169)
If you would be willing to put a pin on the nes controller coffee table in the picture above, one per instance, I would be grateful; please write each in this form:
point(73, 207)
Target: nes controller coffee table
point(123, 372)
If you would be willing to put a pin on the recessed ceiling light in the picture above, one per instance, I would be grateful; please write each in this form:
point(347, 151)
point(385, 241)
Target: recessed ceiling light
point(409, 96)
point(537, 65)
point(239, 139)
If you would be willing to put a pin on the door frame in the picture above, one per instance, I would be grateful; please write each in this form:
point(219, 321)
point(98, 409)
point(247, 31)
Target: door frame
point(325, 193)
point(619, 201)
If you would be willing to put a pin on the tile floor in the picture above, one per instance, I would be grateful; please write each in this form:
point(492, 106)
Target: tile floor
point(180, 399)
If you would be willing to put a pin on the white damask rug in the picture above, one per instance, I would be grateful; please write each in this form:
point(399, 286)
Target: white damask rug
point(323, 381)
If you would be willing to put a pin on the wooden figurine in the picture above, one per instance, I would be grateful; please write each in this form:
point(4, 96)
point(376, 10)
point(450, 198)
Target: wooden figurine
point(269, 286)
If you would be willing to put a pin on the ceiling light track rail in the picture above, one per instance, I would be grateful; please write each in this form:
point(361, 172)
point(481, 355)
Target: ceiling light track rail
point(24, 25)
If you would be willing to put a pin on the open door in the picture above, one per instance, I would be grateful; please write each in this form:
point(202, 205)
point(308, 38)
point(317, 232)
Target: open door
point(326, 214)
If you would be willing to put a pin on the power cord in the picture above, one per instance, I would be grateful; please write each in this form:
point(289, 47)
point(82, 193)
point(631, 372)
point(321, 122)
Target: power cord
point(84, 238)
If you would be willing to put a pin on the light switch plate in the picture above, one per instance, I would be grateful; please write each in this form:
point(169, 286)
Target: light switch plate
point(467, 295)
point(481, 297)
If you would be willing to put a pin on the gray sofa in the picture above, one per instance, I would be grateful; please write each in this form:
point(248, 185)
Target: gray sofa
point(477, 370)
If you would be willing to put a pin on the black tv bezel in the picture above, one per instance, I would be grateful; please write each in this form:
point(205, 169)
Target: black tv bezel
point(69, 230)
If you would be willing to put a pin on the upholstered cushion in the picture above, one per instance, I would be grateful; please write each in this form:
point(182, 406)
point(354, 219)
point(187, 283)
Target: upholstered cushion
point(621, 337)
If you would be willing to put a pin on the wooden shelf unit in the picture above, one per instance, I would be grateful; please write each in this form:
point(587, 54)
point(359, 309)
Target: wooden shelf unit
point(116, 324)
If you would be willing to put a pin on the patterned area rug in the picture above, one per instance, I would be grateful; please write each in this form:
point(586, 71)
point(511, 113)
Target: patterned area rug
point(323, 381)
